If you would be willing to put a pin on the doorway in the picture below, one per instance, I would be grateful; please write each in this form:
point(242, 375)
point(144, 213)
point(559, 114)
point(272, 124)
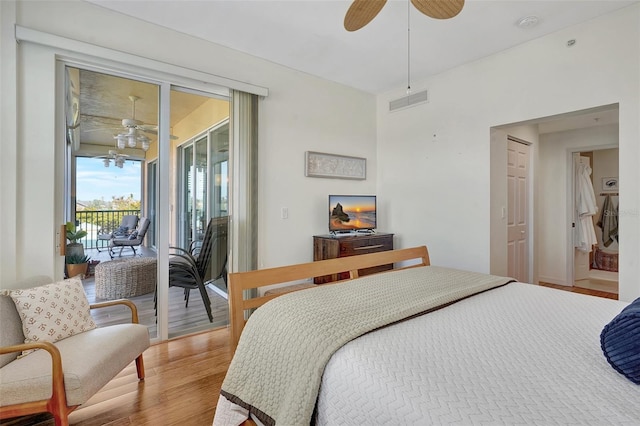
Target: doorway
point(117, 125)
point(597, 269)
point(553, 139)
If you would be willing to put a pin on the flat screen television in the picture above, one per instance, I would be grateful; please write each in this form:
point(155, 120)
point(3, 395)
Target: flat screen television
point(352, 213)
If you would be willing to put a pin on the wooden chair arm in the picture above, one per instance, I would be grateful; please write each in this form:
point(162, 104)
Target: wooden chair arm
point(126, 302)
point(58, 399)
point(48, 346)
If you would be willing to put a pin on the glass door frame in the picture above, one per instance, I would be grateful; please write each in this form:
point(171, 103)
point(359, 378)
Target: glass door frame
point(152, 197)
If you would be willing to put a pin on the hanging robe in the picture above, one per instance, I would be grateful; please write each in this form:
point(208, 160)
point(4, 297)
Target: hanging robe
point(586, 208)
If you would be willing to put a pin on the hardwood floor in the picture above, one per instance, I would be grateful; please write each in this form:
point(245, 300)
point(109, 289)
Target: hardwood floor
point(582, 290)
point(183, 381)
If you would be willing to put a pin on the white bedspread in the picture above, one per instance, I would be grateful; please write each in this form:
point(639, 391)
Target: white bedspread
point(520, 354)
point(277, 367)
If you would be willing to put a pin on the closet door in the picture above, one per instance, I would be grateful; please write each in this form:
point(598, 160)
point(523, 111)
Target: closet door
point(517, 214)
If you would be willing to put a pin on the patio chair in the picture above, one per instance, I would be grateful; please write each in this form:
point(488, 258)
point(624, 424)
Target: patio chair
point(189, 268)
point(127, 226)
point(131, 241)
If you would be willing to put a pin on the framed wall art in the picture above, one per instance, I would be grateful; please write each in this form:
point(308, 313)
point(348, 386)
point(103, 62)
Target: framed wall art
point(320, 164)
point(610, 184)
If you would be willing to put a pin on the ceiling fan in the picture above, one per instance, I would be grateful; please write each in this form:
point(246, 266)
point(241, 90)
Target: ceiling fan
point(133, 127)
point(115, 156)
point(132, 131)
point(361, 12)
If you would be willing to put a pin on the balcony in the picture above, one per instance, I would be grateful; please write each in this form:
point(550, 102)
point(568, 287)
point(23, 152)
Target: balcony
point(97, 222)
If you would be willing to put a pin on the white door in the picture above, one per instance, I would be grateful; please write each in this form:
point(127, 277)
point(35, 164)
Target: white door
point(517, 210)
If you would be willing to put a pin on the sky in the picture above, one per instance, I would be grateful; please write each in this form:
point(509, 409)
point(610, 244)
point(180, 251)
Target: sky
point(94, 181)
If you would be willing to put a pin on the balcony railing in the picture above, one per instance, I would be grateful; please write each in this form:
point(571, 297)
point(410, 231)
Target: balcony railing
point(97, 222)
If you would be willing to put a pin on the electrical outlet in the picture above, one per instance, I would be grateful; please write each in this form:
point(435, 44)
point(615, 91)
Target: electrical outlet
point(284, 213)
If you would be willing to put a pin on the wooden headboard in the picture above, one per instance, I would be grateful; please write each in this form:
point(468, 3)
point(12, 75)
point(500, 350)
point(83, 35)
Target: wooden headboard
point(240, 281)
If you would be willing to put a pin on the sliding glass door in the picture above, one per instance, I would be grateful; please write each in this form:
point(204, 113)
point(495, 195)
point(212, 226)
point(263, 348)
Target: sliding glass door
point(194, 183)
point(203, 182)
point(182, 148)
point(201, 150)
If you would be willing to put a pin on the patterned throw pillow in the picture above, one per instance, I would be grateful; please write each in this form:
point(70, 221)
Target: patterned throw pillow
point(53, 312)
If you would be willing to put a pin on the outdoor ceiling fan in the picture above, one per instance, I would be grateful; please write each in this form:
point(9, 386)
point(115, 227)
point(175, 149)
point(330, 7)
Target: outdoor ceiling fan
point(361, 12)
point(131, 136)
point(115, 156)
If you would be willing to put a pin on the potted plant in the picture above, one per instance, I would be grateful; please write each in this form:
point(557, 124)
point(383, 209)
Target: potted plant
point(76, 265)
point(73, 235)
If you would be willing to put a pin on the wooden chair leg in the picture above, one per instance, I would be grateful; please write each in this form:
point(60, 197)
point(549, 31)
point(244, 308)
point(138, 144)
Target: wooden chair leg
point(61, 419)
point(140, 367)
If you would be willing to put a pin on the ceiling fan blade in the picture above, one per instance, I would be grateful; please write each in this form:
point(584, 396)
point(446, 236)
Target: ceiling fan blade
point(361, 12)
point(439, 9)
point(147, 127)
point(155, 132)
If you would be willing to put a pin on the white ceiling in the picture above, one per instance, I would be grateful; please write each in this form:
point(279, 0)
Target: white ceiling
point(308, 35)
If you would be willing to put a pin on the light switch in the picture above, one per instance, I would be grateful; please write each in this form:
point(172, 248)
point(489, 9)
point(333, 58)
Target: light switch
point(284, 213)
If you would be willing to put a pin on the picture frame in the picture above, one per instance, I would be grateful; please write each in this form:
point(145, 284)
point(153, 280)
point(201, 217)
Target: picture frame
point(610, 184)
point(324, 165)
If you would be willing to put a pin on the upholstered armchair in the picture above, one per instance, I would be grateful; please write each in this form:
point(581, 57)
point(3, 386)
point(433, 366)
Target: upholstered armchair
point(128, 224)
point(132, 240)
point(54, 360)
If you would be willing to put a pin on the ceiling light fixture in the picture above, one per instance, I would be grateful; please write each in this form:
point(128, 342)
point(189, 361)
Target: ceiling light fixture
point(118, 159)
point(528, 22)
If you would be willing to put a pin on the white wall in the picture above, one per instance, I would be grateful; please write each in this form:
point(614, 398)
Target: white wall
point(301, 113)
point(431, 164)
point(434, 159)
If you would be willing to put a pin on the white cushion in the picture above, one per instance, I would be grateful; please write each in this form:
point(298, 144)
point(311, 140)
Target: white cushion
point(54, 311)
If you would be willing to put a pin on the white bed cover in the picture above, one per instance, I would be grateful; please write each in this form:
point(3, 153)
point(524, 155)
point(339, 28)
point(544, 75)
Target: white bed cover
point(519, 354)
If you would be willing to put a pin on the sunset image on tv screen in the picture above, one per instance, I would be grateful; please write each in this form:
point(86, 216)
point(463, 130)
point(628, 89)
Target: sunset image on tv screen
point(352, 212)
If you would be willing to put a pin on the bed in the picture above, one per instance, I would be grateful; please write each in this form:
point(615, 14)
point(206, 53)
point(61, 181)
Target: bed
point(472, 349)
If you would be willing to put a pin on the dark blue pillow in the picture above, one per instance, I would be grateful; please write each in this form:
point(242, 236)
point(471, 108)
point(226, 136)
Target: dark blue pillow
point(121, 231)
point(620, 342)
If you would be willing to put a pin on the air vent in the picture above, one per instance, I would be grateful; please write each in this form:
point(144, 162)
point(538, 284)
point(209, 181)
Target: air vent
point(407, 101)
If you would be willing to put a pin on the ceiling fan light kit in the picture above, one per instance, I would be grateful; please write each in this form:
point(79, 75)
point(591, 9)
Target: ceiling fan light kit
point(118, 159)
point(131, 137)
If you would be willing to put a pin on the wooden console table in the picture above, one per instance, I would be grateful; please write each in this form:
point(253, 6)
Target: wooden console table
point(333, 246)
